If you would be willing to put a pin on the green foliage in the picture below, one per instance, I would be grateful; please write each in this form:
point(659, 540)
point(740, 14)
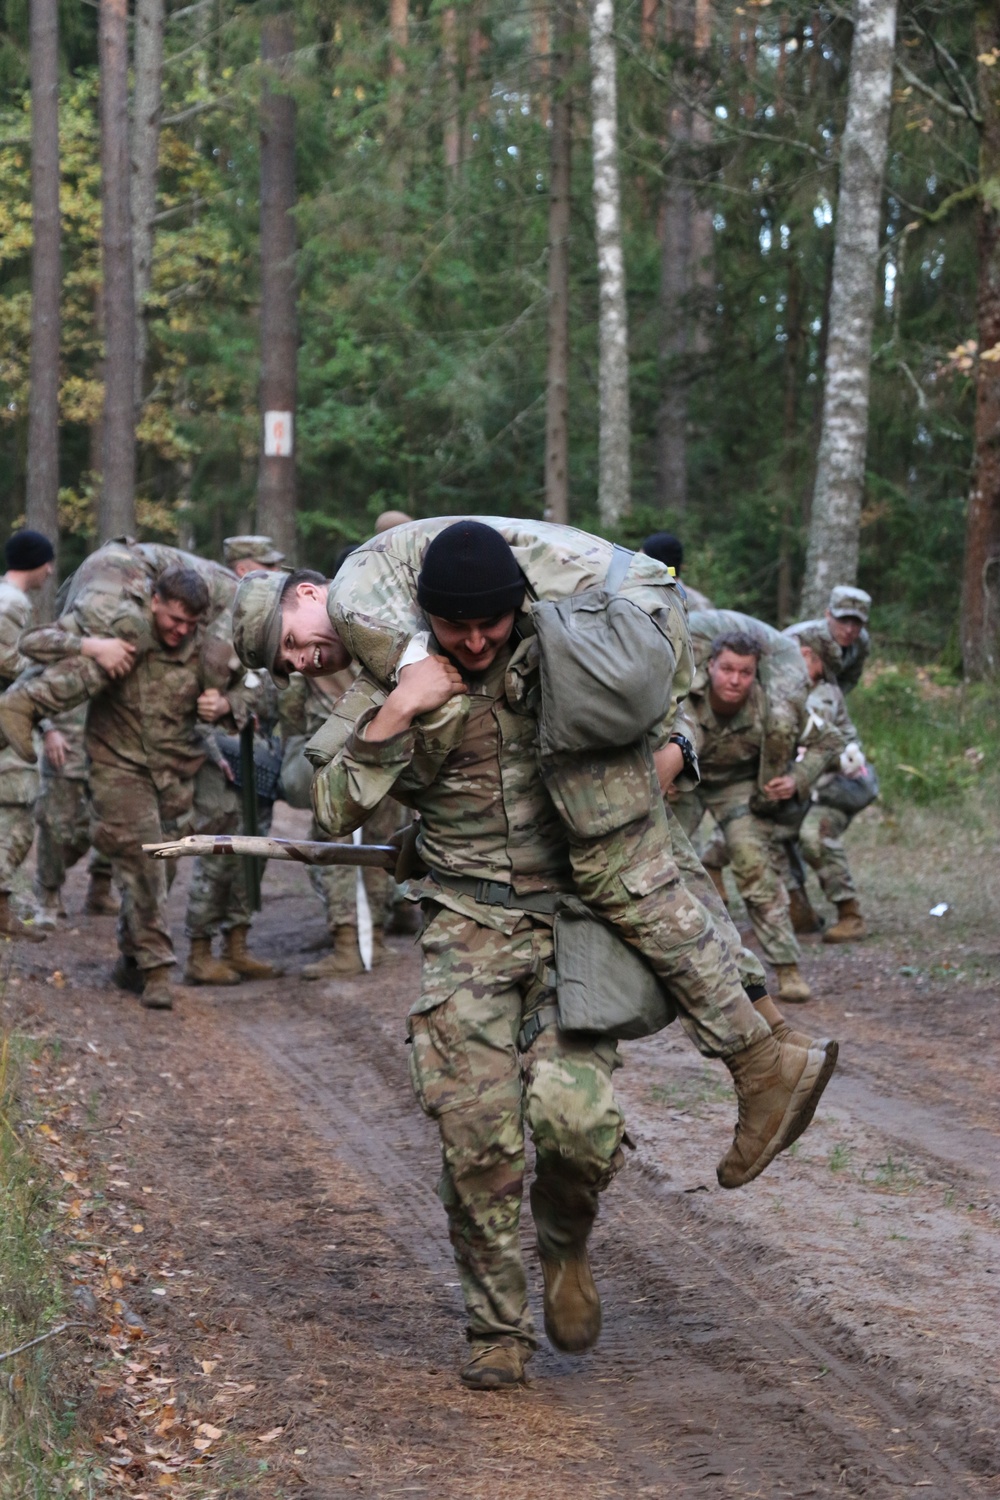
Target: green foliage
point(422, 287)
point(929, 738)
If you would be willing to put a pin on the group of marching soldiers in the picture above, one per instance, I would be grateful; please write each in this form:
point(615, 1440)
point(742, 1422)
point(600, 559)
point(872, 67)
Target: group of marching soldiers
point(122, 726)
point(559, 717)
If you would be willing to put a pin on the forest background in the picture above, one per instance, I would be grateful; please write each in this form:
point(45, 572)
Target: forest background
point(422, 176)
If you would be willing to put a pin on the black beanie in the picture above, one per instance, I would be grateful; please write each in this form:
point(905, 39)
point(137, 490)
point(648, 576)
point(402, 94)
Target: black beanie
point(28, 549)
point(666, 548)
point(469, 573)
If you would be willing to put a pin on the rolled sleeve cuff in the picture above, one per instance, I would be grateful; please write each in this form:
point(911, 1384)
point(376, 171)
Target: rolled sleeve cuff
point(396, 751)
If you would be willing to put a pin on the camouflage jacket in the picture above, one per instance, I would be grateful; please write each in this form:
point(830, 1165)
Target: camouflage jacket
point(18, 781)
point(72, 726)
point(484, 809)
point(853, 658)
point(730, 749)
point(827, 702)
point(372, 601)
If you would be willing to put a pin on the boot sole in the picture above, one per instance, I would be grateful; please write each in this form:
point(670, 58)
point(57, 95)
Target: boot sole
point(831, 1051)
point(585, 1338)
point(801, 1108)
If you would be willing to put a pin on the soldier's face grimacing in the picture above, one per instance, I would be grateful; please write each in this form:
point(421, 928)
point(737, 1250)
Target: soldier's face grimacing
point(309, 643)
point(731, 677)
point(473, 643)
point(172, 621)
point(845, 632)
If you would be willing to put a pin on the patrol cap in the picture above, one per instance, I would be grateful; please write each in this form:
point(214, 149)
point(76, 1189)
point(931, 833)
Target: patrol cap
point(814, 634)
point(259, 549)
point(848, 603)
point(257, 622)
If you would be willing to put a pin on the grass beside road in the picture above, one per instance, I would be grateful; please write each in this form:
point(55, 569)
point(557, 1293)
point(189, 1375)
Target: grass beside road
point(932, 740)
point(35, 1425)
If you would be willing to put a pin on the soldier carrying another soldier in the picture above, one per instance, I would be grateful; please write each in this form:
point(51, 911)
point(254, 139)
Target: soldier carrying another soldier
point(507, 837)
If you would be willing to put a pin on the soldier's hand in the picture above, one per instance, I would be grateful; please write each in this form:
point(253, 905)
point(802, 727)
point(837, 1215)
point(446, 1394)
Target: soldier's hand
point(212, 705)
point(56, 748)
point(780, 788)
point(116, 657)
point(426, 685)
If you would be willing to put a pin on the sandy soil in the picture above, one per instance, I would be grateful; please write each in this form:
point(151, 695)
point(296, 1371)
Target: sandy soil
point(255, 1168)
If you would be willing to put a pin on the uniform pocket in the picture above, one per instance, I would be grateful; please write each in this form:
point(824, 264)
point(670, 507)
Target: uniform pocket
point(597, 794)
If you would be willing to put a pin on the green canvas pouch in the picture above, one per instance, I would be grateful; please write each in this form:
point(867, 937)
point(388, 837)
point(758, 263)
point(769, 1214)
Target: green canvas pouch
point(602, 984)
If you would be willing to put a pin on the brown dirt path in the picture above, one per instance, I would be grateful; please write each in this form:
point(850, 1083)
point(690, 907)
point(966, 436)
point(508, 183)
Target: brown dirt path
point(831, 1330)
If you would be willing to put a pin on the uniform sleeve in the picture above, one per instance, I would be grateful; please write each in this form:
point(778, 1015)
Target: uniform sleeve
point(51, 643)
point(821, 743)
point(354, 774)
point(12, 659)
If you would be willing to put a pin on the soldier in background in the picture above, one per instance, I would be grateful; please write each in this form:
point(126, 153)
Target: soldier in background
point(729, 709)
point(30, 559)
point(390, 519)
point(836, 799)
point(218, 900)
point(846, 623)
point(63, 815)
point(669, 550)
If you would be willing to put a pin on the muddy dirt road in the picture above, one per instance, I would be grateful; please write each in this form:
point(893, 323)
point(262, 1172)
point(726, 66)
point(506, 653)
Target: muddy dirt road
point(830, 1330)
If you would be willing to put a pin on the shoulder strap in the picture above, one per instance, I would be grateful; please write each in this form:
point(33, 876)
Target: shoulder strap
point(621, 561)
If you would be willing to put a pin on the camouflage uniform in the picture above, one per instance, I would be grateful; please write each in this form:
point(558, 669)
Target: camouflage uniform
point(18, 781)
point(731, 753)
point(306, 704)
point(611, 816)
point(823, 828)
point(63, 809)
point(144, 754)
point(480, 1066)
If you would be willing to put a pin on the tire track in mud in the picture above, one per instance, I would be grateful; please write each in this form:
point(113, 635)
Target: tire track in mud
point(705, 1383)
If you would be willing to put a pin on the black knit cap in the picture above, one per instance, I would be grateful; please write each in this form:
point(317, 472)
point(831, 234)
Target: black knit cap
point(666, 548)
point(26, 550)
point(469, 573)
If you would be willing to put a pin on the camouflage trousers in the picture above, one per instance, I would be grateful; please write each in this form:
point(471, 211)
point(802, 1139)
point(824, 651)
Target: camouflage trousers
point(821, 843)
point(479, 989)
point(336, 885)
point(17, 830)
point(621, 849)
point(217, 899)
point(130, 810)
point(61, 686)
point(700, 884)
point(756, 855)
point(63, 816)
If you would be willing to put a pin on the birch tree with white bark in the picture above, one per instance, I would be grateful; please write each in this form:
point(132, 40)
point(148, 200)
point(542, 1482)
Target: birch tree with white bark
point(614, 483)
point(832, 555)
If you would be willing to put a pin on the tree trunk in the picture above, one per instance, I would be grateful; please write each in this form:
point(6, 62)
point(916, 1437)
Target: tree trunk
point(541, 43)
point(676, 212)
point(452, 120)
point(278, 321)
point(557, 388)
point(42, 501)
point(981, 577)
point(795, 338)
point(116, 508)
point(832, 556)
point(614, 483)
point(149, 23)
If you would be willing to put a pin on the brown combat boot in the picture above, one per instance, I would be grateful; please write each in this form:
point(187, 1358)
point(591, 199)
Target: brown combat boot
point(792, 988)
point(716, 877)
point(234, 951)
point(802, 911)
point(564, 1213)
point(343, 962)
point(776, 1085)
point(158, 993)
point(850, 924)
point(494, 1363)
point(17, 720)
point(782, 1032)
point(204, 968)
point(101, 900)
point(13, 927)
